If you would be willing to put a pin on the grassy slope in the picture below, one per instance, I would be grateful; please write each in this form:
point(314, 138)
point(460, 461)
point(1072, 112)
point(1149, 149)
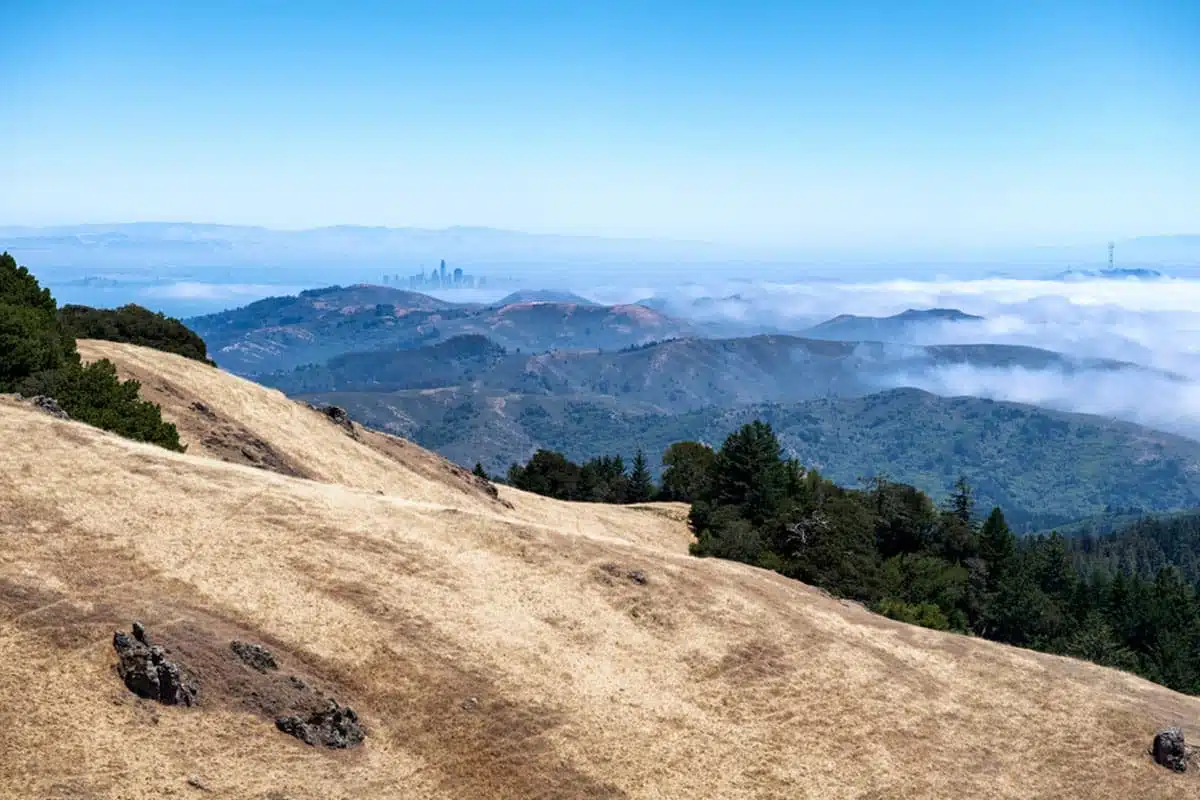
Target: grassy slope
point(491, 652)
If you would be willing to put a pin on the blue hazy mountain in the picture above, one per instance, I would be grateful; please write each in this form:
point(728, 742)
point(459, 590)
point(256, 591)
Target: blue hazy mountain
point(544, 296)
point(899, 327)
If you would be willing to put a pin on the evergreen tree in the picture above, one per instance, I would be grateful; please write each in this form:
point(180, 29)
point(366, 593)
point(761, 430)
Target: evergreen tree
point(135, 325)
point(32, 341)
point(749, 473)
point(641, 485)
point(962, 501)
point(998, 549)
point(688, 467)
point(548, 473)
point(480, 472)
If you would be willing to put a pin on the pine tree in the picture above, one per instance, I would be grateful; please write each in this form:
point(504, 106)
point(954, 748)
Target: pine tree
point(962, 501)
point(749, 472)
point(480, 472)
point(641, 485)
point(998, 549)
point(32, 341)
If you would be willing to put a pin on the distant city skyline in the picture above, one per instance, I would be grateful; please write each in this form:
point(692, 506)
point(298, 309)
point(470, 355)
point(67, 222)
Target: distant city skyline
point(864, 124)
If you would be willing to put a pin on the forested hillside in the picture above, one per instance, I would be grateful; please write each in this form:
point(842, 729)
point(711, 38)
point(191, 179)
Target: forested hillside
point(888, 545)
point(1044, 468)
point(669, 376)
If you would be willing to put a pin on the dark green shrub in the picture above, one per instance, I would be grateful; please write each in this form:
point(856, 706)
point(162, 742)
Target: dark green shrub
point(134, 325)
point(38, 356)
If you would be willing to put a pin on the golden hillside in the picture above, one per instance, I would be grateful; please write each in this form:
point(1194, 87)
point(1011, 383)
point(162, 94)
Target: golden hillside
point(493, 647)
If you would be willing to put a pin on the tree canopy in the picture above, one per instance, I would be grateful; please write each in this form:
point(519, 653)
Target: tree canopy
point(134, 325)
point(38, 356)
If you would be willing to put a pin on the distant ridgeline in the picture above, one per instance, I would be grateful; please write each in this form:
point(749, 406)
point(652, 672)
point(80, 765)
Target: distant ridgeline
point(38, 357)
point(1127, 599)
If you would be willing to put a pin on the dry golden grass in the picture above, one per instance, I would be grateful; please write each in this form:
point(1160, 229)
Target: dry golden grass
point(492, 651)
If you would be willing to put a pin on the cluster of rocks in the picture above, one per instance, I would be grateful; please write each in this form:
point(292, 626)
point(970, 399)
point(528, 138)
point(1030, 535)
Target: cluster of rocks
point(254, 656)
point(46, 404)
point(147, 672)
point(334, 726)
point(1171, 751)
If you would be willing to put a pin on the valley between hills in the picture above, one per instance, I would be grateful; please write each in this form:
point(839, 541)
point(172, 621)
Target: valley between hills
point(494, 384)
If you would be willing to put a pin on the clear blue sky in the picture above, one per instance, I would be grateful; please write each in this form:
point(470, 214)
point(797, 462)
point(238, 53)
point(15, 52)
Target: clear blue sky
point(770, 122)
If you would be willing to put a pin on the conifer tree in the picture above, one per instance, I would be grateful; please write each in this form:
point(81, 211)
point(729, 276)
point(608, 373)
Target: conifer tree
point(641, 485)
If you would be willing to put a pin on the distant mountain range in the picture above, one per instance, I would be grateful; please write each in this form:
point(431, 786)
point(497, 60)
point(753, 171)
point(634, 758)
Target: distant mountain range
point(492, 383)
point(200, 245)
point(899, 327)
point(670, 376)
point(281, 333)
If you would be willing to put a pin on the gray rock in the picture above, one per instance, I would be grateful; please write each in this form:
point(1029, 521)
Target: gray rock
point(147, 672)
point(203, 410)
point(334, 726)
point(254, 656)
point(1170, 750)
point(50, 406)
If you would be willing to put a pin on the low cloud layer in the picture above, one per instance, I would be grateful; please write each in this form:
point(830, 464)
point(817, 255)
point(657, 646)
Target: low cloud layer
point(234, 292)
point(1153, 323)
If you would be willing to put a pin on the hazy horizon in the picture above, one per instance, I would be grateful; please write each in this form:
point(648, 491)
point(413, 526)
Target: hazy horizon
point(926, 127)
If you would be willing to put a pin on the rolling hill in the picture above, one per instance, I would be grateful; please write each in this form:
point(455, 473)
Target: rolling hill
point(1042, 467)
point(544, 296)
point(670, 376)
point(897, 328)
point(492, 646)
point(282, 333)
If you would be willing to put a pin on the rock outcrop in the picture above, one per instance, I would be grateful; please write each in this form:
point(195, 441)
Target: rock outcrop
point(338, 416)
point(334, 726)
point(1170, 750)
point(254, 656)
point(148, 673)
point(50, 406)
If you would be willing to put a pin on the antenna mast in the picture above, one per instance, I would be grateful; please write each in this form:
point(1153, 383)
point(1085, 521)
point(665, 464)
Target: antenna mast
point(1110, 256)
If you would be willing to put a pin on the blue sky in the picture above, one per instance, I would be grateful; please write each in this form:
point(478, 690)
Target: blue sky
point(835, 124)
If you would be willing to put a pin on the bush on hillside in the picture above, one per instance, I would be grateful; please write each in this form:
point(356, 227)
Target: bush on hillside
point(133, 324)
point(38, 356)
point(31, 341)
point(95, 395)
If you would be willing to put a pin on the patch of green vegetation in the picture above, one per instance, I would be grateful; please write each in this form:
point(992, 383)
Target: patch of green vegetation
point(133, 324)
point(38, 357)
point(605, 479)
